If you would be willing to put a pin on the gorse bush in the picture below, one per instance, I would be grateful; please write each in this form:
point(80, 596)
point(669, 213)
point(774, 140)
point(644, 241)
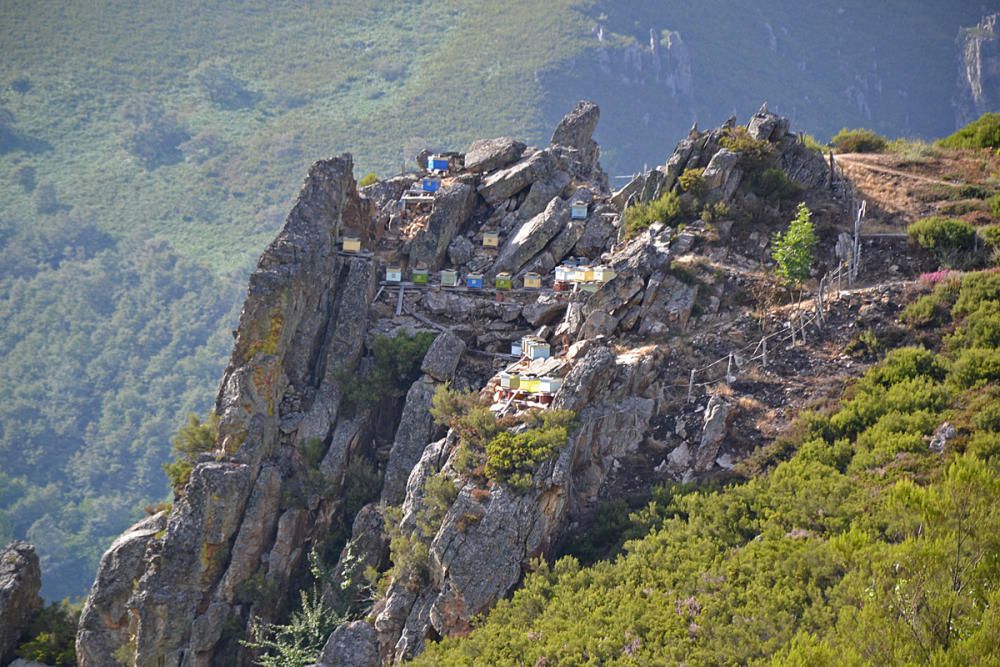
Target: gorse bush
point(512, 457)
point(981, 133)
point(950, 239)
point(193, 439)
point(639, 217)
point(934, 308)
point(371, 178)
point(994, 204)
point(858, 141)
point(692, 181)
point(755, 154)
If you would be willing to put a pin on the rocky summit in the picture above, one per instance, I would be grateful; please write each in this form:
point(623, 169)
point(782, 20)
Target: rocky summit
point(553, 329)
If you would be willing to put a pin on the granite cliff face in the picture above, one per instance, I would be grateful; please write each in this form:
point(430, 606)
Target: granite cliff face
point(978, 70)
point(181, 588)
point(20, 581)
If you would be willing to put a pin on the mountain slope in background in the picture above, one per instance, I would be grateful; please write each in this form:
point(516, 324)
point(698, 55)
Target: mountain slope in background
point(148, 150)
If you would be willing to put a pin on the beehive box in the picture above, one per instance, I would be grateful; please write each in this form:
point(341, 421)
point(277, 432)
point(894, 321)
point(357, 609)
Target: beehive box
point(420, 277)
point(474, 281)
point(532, 281)
point(351, 244)
point(449, 278)
point(491, 240)
point(503, 281)
point(393, 274)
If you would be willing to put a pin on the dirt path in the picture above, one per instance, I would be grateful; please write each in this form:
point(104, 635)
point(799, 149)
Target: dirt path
point(864, 161)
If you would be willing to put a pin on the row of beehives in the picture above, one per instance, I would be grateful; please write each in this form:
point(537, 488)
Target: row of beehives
point(588, 278)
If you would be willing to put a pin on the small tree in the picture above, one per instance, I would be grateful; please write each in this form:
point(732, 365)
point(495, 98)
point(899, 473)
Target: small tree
point(793, 249)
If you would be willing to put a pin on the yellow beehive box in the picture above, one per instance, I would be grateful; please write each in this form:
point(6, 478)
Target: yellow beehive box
point(351, 244)
point(532, 281)
point(491, 240)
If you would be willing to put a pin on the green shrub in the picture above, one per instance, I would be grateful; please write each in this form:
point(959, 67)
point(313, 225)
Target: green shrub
point(865, 344)
point(905, 363)
point(693, 181)
point(773, 182)
point(934, 308)
point(639, 217)
point(371, 178)
point(858, 141)
point(513, 457)
point(196, 437)
point(994, 204)
point(975, 367)
point(51, 635)
point(810, 142)
point(976, 288)
point(981, 133)
point(980, 328)
point(396, 365)
point(936, 233)
point(973, 191)
point(754, 153)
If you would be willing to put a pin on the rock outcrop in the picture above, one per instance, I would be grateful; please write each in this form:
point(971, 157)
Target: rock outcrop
point(20, 581)
point(303, 459)
point(104, 622)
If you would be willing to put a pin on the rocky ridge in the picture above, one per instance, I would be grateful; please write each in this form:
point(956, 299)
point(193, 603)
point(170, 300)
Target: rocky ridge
point(181, 588)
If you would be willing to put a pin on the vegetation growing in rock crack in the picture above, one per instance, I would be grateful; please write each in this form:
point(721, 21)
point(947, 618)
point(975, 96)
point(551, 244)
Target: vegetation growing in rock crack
point(638, 217)
point(395, 365)
point(196, 437)
point(506, 450)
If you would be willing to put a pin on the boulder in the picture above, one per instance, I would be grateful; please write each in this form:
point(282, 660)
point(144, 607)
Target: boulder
point(631, 189)
point(506, 183)
point(596, 233)
point(460, 251)
point(487, 155)
point(416, 427)
point(547, 310)
point(532, 236)
point(766, 126)
point(20, 581)
point(722, 173)
point(541, 193)
point(352, 644)
point(453, 205)
point(443, 356)
point(713, 432)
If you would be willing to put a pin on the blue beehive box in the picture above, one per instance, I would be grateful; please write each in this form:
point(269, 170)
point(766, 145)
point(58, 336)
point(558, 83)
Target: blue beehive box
point(430, 184)
point(474, 281)
point(438, 163)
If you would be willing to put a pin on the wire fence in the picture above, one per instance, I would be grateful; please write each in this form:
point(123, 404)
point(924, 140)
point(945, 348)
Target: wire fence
point(795, 330)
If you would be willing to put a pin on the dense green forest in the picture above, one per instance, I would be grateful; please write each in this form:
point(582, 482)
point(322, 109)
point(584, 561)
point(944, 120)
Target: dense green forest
point(871, 535)
point(149, 151)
